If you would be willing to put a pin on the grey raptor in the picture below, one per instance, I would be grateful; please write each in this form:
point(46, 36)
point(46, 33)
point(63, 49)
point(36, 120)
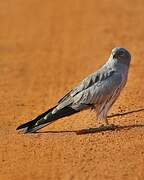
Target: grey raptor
point(98, 91)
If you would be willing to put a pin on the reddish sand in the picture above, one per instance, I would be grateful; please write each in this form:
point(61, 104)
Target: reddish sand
point(47, 47)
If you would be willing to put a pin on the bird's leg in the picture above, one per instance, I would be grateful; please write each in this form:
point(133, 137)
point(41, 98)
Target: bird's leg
point(106, 122)
point(107, 126)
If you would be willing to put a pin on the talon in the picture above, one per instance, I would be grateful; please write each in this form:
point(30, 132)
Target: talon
point(108, 127)
point(112, 126)
point(102, 125)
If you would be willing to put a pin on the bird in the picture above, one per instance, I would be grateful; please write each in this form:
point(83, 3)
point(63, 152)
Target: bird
point(98, 91)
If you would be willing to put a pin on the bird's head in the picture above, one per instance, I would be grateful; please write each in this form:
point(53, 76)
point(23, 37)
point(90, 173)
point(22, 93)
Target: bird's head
point(121, 55)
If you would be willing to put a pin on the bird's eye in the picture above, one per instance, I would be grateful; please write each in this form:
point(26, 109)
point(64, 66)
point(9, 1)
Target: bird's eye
point(121, 53)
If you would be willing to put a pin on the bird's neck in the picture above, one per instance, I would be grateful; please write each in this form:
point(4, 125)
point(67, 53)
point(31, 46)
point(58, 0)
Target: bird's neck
point(116, 63)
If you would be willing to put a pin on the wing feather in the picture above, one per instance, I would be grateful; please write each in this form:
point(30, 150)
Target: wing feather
point(85, 84)
point(99, 92)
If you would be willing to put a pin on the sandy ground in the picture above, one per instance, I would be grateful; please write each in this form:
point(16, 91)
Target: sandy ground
point(47, 47)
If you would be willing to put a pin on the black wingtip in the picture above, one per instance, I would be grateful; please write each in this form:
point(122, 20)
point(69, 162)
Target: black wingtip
point(20, 127)
point(40, 122)
point(27, 124)
point(33, 122)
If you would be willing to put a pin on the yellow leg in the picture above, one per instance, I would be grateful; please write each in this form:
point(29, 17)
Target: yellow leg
point(106, 121)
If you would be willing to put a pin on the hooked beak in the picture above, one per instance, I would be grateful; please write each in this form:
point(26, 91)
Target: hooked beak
point(114, 55)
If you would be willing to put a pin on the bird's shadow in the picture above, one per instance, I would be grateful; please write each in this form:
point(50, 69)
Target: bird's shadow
point(103, 128)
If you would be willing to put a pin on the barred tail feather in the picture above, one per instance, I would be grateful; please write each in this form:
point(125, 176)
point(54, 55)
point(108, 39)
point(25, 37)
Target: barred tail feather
point(45, 119)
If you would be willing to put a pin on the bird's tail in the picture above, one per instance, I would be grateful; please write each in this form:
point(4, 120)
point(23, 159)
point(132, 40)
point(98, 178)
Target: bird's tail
point(45, 119)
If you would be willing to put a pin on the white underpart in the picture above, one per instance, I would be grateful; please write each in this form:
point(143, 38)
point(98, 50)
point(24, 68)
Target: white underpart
point(102, 110)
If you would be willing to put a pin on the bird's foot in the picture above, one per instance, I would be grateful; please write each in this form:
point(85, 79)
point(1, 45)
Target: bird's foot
point(107, 127)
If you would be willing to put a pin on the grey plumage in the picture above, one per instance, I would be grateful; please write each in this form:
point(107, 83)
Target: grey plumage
point(98, 91)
